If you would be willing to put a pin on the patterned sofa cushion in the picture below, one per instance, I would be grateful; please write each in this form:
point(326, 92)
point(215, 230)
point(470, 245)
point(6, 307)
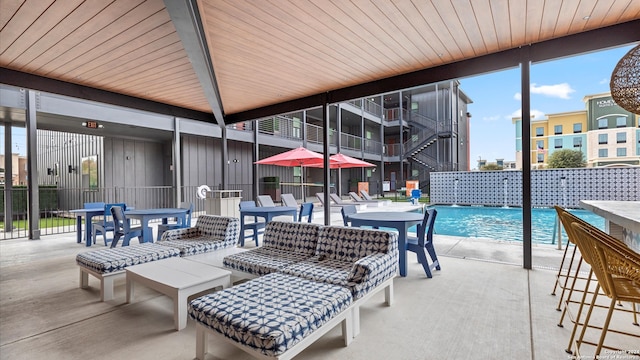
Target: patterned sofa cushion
point(297, 237)
point(359, 259)
point(262, 260)
point(211, 232)
point(272, 313)
point(115, 259)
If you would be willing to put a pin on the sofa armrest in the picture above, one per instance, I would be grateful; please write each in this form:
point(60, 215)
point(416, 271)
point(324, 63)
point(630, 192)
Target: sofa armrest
point(178, 234)
point(373, 269)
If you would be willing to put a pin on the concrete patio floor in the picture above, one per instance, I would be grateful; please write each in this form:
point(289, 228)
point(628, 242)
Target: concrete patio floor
point(481, 305)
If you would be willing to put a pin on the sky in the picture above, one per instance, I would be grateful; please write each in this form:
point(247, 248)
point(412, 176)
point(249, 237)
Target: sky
point(556, 86)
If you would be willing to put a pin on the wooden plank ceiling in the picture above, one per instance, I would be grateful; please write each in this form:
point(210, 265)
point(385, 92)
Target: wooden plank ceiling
point(270, 51)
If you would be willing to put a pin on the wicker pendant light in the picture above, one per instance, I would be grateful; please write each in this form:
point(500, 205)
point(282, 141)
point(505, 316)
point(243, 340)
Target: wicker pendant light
point(625, 81)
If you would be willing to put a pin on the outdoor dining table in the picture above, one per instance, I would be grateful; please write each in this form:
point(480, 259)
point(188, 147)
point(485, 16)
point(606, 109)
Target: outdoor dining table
point(622, 219)
point(400, 221)
point(88, 215)
point(267, 212)
point(144, 215)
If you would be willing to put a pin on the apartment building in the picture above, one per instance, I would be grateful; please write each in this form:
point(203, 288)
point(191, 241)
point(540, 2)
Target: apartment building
point(606, 134)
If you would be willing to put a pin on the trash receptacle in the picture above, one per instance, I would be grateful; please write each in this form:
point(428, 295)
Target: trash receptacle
point(223, 202)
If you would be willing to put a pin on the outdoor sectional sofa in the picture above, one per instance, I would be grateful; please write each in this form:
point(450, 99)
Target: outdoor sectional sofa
point(309, 278)
point(210, 233)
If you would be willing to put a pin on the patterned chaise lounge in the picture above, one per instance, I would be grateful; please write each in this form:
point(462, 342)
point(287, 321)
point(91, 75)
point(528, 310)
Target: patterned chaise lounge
point(246, 317)
point(284, 243)
point(210, 233)
point(364, 261)
point(360, 262)
point(108, 264)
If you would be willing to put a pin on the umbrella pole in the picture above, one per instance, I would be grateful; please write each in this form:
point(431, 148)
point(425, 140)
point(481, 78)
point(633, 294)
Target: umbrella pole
point(302, 183)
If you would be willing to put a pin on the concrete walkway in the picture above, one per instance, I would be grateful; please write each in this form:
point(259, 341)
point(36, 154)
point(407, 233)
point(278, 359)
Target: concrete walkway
point(481, 305)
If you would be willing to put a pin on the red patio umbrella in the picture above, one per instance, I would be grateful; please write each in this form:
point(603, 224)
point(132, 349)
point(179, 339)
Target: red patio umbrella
point(296, 157)
point(341, 161)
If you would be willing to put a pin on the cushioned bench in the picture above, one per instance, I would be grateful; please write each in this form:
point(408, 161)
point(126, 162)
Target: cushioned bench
point(283, 243)
point(108, 264)
point(210, 233)
point(273, 316)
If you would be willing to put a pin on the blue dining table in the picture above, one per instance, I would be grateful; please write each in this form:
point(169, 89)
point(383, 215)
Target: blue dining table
point(267, 212)
point(400, 221)
point(145, 215)
point(88, 215)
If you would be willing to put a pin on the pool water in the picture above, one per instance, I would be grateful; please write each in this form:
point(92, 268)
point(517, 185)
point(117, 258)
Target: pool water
point(503, 223)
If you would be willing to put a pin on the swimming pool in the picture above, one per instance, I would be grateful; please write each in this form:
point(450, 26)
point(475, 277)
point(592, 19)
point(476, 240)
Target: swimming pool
point(503, 223)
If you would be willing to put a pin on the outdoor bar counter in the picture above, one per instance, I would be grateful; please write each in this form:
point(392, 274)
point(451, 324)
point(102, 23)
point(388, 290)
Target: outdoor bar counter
point(622, 219)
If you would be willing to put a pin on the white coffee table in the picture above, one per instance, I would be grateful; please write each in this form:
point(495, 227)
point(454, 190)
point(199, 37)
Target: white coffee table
point(216, 258)
point(179, 279)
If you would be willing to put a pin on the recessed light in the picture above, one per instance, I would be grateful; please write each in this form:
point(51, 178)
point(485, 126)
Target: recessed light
point(586, 17)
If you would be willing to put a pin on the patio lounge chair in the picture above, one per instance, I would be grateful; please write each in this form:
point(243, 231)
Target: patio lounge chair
point(338, 200)
point(265, 200)
point(356, 198)
point(288, 200)
point(334, 207)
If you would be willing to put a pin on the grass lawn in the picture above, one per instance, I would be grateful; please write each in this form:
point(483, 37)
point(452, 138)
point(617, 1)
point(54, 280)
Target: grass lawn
point(44, 223)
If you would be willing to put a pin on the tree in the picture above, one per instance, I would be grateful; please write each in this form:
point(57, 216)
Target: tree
point(566, 158)
point(490, 167)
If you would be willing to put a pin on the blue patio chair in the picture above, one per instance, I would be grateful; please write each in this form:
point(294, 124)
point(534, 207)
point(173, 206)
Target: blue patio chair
point(424, 242)
point(179, 224)
point(346, 211)
point(106, 224)
point(256, 226)
point(123, 228)
point(306, 209)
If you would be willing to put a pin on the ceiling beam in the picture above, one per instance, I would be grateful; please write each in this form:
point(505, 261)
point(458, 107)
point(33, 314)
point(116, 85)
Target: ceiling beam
point(40, 83)
point(593, 40)
point(186, 19)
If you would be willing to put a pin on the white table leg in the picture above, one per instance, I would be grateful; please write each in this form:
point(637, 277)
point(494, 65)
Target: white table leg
point(180, 310)
point(130, 289)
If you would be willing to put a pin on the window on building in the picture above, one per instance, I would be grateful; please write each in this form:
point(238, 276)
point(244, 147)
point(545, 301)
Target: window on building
point(577, 142)
point(557, 143)
point(540, 144)
point(603, 153)
point(602, 139)
point(540, 158)
point(539, 131)
point(577, 128)
point(603, 123)
point(621, 151)
point(296, 131)
point(621, 138)
point(557, 129)
point(621, 121)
